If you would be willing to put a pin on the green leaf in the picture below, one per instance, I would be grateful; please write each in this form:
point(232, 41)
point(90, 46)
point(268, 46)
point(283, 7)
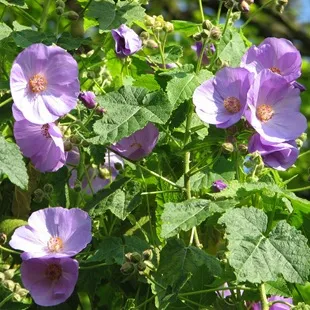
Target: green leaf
point(188, 28)
point(278, 288)
point(184, 216)
point(182, 86)
point(113, 249)
point(111, 15)
point(231, 48)
point(5, 31)
point(128, 110)
point(19, 3)
point(148, 81)
point(260, 256)
point(171, 54)
point(12, 164)
point(69, 43)
point(25, 38)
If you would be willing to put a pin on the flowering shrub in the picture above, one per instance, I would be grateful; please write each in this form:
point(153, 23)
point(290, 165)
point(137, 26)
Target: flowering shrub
point(140, 162)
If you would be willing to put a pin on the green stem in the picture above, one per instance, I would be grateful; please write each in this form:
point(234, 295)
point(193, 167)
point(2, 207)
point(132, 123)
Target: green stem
point(3, 11)
point(93, 111)
point(112, 225)
point(155, 282)
point(145, 302)
point(227, 20)
point(263, 297)
point(5, 300)
point(161, 51)
point(44, 15)
point(221, 288)
point(160, 192)
point(199, 306)
point(201, 11)
point(303, 154)
point(93, 267)
point(204, 45)
point(28, 16)
point(85, 7)
point(218, 15)
point(3, 103)
point(281, 302)
point(300, 189)
point(256, 12)
point(9, 250)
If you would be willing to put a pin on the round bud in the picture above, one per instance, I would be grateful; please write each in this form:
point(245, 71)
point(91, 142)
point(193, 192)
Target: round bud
point(100, 110)
point(228, 147)
point(141, 266)
point(283, 2)
point(75, 139)
point(229, 4)
point(9, 284)
point(244, 6)
point(149, 21)
point(168, 27)
point(207, 24)
point(118, 166)
point(243, 148)
point(280, 8)
point(3, 238)
point(59, 10)
point(60, 3)
point(147, 254)
point(144, 35)
point(2, 277)
point(205, 34)
point(22, 292)
point(71, 15)
point(235, 16)
point(135, 257)
point(151, 44)
point(104, 173)
point(127, 268)
point(303, 137)
point(9, 274)
point(38, 195)
point(67, 146)
point(197, 36)
point(77, 186)
point(17, 297)
point(91, 74)
point(215, 33)
point(48, 188)
point(299, 143)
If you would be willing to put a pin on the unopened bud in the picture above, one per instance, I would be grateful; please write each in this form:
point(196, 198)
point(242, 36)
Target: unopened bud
point(59, 10)
point(243, 148)
point(215, 33)
point(244, 6)
point(299, 143)
point(101, 110)
point(229, 4)
point(228, 147)
point(144, 35)
point(205, 34)
point(118, 166)
point(104, 173)
point(91, 74)
point(135, 257)
point(2, 277)
point(22, 292)
point(159, 22)
point(38, 195)
point(77, 186)
point(235, 16)
point(149, 21)
point(71, 15)
point(283, 2)
point(151, 44)
point(67, 146)
point(17, 297)
point(9, 284)
point(280, 8)
point(3, 238)
point(141, 266)
point(303, 137)
point(9, 274)
point(127, 268)
point(168, 27)
point(75, 139)
point(147, 254)
point(197, 36)
point(60, 3)
point(48, 188)
point(207, 24)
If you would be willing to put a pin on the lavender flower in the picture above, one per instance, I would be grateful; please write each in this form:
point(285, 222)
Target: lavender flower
point(127, 42)
point(99, 177)
point(43, 144)
point(279, 156)
point(276, 306)
point(50, 281)
point(88, 98)
point(278, 55)
point(139, 144)
point(218, 186)
point(222, 99)
point(197, 47)
point(53, 232)
point(274, 108)
point(44, 83)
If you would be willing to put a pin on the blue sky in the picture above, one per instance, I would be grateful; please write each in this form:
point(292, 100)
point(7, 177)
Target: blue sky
point(305, 11)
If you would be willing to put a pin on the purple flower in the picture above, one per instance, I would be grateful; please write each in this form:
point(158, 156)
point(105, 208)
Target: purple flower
point(50, 281)
point(88, 98)
point(274, 108)
point(218, 186)
point(278, 55)
point(127, 42)
point(44, 83)
point(99, 177)
point(53, 232)
point(197, 47)
point(43, 144)
point(222, 99)
point(139, 144)
point(279, 156)
point(277, 306)
point(299, 86)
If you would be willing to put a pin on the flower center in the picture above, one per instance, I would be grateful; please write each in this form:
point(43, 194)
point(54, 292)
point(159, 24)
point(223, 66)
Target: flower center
point(38, 83)
point(136, 145)
point(53, 272)
point(264, 112)
point(275, 70)
point(232, 104)
point(55, 244)
point(44, 131)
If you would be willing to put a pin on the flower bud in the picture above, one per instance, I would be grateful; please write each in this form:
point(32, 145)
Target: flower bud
point(243, 149)
point(303, 137)
point(141, 266)
point(229, 4)
point(17, 297)
point(48, 188)
point(38, 195)
point(207, 24)
point(104, 173)
point(75, 139)
point(299, 143)
point(147, 254)
point(2, 277)
point(168, 27)
point(149, 21)
point(91, 74)
point(100, 110)
point(67, 146)
point(235, 16)
point(88, 98)
point(135, 257)
point(218, 186)
point(3, 238)
point(22, 292)
point(197, 36)
point(228, 147)
point(9, 274)
point(215, 33)
point(144, 35)
point(205, 34)
point(118, 166)
point(159, 22)
point(283, 2)
point(71, 15)
point(151, 44)
point(280, 8)
point(60, 3)
point(59, 10)
point(77, 186)
point(244, 6)
point(127, 268)
point(9, 284)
